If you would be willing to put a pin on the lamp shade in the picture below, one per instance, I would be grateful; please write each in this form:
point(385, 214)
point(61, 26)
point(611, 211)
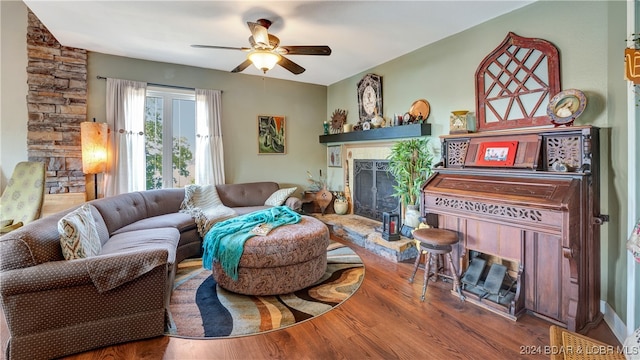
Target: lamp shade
point(264, 60)
point(94, 147)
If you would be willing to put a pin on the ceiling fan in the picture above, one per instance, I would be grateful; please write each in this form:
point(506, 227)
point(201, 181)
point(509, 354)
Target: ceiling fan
point(265, 51)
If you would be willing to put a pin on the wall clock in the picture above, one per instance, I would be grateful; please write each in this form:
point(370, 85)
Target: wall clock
point(369, 96)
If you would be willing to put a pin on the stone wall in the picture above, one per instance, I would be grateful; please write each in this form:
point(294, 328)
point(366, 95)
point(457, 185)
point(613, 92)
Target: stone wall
point(57, 104)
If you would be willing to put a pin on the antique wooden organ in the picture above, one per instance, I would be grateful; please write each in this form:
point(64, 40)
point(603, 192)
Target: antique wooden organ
point(528, 200)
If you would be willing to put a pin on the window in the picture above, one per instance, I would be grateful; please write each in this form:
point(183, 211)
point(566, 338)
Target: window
point(169, 114)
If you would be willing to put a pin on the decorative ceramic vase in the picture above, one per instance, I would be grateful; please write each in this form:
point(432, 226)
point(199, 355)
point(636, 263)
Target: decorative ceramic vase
point(340, 206)
point(412, 216)
point(323, 199)
point(377, 121)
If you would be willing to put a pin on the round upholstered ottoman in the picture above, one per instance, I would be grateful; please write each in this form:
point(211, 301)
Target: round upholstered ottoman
point(289, 258)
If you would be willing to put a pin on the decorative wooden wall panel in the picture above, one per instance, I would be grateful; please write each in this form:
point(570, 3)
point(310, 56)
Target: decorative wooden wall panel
point(515, 83)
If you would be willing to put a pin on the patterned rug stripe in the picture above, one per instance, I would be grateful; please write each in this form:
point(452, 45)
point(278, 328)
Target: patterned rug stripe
point(305, 305)
point(335, 290)
point(202, 309)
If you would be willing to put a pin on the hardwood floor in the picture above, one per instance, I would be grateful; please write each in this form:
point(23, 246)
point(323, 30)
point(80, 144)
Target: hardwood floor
point(384, 319)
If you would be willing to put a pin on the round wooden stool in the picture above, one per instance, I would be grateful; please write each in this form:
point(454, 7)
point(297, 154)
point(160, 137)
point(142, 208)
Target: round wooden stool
point(435, 242)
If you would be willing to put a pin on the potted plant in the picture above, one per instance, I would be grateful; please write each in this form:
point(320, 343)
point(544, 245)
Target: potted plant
point(410, 162)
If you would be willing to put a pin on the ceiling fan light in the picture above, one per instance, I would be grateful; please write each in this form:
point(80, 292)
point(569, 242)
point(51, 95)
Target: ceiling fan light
point(263, 59)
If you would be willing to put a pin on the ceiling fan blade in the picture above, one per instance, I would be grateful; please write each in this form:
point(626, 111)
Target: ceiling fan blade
point(307, 50)
point(290, 65)
point(221, 47)
point(245, 64)
point(259, 33)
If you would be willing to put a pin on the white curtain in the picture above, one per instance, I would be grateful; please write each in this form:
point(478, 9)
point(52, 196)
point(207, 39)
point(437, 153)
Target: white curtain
point(209, 157)
point(126, 170)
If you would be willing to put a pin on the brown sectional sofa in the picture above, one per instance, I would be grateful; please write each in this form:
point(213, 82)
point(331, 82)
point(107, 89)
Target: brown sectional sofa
point(54, 307)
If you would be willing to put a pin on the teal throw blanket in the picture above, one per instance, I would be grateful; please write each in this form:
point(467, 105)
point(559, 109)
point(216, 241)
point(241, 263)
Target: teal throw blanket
point(224, 242)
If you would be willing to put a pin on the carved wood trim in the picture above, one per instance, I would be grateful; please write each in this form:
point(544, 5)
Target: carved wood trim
point(514, 212)
point(456, 153)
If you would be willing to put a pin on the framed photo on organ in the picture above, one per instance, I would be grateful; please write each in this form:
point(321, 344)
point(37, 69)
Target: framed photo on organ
point(497, 154)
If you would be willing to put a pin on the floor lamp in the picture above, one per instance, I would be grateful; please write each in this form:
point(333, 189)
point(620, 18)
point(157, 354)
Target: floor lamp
point(94, 149)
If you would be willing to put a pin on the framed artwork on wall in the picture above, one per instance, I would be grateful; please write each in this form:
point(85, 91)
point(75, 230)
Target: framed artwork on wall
point(271, 134)
point(501, 153)
point(334, 156)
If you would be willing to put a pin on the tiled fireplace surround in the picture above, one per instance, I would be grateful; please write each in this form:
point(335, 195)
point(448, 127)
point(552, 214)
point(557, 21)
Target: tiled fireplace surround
point(357, 229)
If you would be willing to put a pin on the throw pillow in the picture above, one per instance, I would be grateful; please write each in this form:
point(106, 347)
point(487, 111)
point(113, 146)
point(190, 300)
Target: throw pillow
point(204, 205)
point(78, 234)
point(279, 197)
point(200, 196)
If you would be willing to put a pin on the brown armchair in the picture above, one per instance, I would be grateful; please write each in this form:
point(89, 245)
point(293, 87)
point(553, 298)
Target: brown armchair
point(22, 199)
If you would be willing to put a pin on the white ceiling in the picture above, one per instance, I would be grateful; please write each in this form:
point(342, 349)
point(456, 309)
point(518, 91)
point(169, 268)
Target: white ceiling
point(361, 34)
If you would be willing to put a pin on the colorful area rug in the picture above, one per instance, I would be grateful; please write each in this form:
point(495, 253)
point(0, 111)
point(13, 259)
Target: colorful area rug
point(202, 309)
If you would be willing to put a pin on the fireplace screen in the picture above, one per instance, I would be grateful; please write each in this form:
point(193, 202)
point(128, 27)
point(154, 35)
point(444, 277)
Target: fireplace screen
point(373, 193)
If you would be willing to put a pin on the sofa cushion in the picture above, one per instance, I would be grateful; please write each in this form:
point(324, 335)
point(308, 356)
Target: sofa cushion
point(158, 238)
point(246, 194)
point(121, 210)
point(182, 222)
point(101, 226)
point(78, 234)
point(162, 201)
point(279, 197)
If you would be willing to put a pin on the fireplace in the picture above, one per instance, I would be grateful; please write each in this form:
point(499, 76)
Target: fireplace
point(373, 189)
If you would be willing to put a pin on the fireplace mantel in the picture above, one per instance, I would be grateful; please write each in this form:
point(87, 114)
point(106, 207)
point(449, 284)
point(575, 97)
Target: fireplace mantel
point(393, 132)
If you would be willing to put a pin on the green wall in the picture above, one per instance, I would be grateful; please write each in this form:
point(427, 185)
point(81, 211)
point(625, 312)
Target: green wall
point(590, 37)
point(243, 98)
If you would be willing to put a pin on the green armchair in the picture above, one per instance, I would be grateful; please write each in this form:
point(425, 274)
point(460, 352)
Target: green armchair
point(22, 199)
